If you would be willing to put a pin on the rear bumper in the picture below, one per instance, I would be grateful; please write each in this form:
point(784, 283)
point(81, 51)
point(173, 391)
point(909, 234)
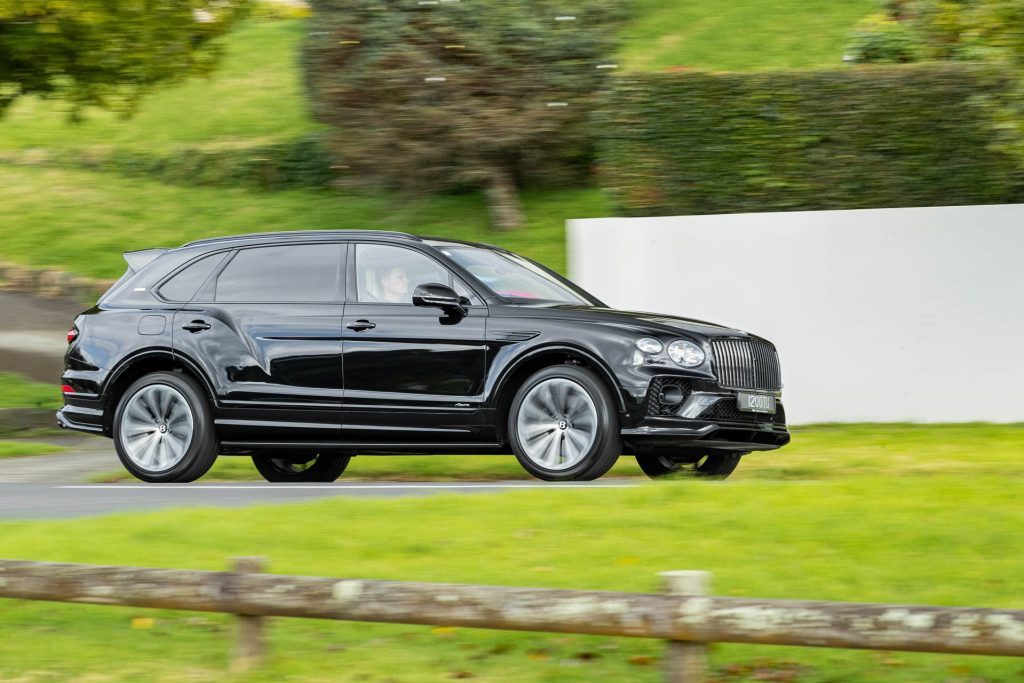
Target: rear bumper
point(83, 414)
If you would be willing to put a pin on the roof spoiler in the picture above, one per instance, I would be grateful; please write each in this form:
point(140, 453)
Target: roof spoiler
point(137, 260)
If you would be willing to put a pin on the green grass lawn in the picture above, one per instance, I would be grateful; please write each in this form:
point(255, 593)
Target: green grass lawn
point(18, 392)
point(750, 35)
point(18, 449)
point(883, 513)
point(83, 221)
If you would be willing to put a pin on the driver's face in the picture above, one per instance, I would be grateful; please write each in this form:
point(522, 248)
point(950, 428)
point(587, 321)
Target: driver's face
point(396, 282)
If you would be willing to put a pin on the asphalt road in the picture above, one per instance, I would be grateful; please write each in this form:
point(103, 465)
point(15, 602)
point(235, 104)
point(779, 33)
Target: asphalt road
point(61, 501)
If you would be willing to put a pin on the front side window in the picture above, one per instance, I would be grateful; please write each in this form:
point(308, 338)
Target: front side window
point(388, 274)
point(309, 273)
point(511, 276)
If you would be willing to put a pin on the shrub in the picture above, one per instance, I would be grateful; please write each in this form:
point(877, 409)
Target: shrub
point(919, 135)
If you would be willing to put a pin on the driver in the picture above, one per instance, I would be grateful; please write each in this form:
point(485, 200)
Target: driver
point(394, 285)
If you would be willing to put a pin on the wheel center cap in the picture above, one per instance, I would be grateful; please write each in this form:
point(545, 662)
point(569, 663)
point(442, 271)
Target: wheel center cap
point(563, 425)
point(163, 429)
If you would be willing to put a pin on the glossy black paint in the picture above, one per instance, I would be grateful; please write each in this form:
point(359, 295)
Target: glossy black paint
point(378, 377)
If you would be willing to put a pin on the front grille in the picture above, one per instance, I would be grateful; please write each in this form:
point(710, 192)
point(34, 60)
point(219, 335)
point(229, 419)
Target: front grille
point(746, 364)
point(726, 411)
point(655, 408)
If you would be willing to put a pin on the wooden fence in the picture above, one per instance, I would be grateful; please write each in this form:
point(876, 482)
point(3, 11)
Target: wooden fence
point(683, 614)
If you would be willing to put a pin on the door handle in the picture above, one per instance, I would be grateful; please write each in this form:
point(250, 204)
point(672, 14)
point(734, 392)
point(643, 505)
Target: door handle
point(361, 325)
point(196, 326)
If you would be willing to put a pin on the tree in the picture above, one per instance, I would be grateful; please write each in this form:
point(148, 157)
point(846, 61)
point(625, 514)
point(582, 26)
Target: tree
point(106, 53)
point(452, 92)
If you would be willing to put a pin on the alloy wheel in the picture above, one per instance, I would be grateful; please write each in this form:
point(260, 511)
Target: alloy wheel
point(557, 424)
point(156, 428)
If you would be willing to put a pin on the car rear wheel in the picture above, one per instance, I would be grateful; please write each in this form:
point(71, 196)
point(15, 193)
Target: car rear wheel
point(300, 467)
point(563, 425)
point(163, 429)
point(707, 466)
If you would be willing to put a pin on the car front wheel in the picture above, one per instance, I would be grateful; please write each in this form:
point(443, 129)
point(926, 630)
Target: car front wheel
point(708, 466)
point(163, 429)
point(563, 425)
point(300, 467)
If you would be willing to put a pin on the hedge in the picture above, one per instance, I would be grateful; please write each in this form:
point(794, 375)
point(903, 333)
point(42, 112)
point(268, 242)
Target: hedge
point(860, 137)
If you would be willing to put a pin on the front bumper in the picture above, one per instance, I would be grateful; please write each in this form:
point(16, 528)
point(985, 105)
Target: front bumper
point(701, 417)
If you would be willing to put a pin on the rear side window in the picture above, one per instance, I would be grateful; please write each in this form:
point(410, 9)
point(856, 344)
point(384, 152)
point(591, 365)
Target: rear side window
point(297, 273)
point(183, 286)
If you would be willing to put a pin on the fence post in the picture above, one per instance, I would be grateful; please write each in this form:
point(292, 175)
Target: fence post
point(686, 661)
point(250, 644)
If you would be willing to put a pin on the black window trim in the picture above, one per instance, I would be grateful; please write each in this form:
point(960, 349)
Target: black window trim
point(188, 264)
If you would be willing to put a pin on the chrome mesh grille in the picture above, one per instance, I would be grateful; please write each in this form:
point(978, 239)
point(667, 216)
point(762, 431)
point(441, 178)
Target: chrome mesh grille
point(746, 364)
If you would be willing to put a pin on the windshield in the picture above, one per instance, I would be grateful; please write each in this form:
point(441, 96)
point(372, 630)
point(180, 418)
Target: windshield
point(511, 276)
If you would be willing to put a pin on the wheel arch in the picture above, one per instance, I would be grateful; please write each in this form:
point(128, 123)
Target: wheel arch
point(513, 376)
point(139, 365)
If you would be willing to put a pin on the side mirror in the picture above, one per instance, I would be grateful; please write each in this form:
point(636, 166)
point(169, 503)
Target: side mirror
point(440, 296)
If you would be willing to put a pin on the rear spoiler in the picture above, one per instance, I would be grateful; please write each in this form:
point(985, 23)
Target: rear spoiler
point(137, 260)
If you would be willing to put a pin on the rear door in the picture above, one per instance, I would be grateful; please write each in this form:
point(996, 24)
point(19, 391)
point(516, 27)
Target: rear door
point(266, 330)
point(412, 374)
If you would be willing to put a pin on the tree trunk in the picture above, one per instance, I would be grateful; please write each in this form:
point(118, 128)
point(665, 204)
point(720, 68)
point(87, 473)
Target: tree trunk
point(503, 201)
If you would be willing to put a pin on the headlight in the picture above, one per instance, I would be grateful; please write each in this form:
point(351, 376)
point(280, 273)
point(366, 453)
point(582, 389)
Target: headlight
point(650, 346)
point(686, 353)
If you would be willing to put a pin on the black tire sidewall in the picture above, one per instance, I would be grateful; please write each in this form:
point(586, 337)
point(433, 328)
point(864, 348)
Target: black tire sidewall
point(202, 450)
point(327, 468)
point(606, 447)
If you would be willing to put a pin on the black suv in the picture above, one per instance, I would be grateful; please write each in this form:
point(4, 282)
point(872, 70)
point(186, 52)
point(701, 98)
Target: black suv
point(302, 349)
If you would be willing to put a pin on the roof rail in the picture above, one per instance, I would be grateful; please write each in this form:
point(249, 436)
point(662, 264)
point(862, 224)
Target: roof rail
point(305, 233)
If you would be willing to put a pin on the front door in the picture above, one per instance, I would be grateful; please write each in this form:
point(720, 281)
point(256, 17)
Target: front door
point(412, 374)
point(266, 330)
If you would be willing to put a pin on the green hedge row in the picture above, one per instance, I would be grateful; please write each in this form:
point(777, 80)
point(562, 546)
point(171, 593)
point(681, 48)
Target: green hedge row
point(861, 137)
point(303, 162)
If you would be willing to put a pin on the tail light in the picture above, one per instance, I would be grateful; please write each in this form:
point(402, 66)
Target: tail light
point(72, 334)
point(66, 389)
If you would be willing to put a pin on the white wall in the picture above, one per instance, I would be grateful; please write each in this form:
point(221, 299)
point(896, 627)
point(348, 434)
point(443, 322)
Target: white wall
point(879, 315)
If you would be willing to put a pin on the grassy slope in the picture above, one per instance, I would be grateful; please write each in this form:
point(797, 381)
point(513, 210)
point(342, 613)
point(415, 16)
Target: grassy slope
point(741, 36)
point(925, 523)
point(254, 97)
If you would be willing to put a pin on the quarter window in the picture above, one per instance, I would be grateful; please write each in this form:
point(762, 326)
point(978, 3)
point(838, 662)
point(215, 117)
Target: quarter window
point(296, 273)
point(183, 286)
point(387, 274)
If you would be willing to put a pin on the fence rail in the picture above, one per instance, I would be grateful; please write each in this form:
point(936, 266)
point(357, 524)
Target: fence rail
point(681, 614)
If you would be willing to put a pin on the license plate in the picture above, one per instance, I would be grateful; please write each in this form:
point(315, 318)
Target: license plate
point(756, 403)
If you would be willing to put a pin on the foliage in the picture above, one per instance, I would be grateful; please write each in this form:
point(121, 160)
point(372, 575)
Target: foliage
point(962, 30)
point(426, 95)
point(864, 138)
point(94, 52)
point(881, 38)
point(22, 449)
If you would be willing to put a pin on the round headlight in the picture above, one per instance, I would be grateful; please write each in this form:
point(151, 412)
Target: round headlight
point(686, 353)
point(650, 346)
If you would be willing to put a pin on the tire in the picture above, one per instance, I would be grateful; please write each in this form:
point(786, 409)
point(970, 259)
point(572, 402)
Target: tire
point(163, 429)
point(296, 467)
point(577, 440)
point(708, 466)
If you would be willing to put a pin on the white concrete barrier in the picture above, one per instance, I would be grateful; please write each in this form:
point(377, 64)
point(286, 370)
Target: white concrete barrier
point(879, 315)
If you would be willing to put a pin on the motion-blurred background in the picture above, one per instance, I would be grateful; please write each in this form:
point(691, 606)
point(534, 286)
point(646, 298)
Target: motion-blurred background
point(128, 125)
